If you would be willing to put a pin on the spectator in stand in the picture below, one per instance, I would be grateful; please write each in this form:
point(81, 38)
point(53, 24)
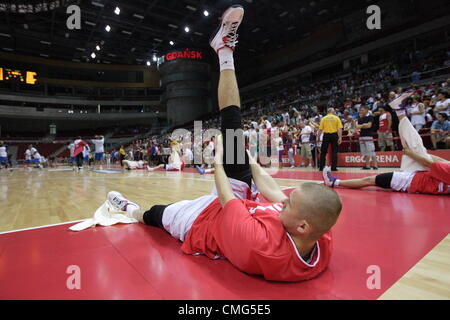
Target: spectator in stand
point(442, 103)
point(440, 130)
point(365, 124)
point(417, 113)
point(305, 141)
point(385, 135)
point(290, 148)
point(253, 141)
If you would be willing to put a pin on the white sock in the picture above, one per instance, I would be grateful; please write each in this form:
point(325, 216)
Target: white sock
point(226, 59)
point(131, 207)
point(400, 113)
point(337, 182)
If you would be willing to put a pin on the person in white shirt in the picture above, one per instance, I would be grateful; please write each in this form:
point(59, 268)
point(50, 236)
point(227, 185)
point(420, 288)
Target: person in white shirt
point(36, 156)
point(99, 143)
point(306, 144)
point(86, 152)
point(28, 160)
point(3, 155)
point(443, 103)
point(417, 113)
point(71, 148)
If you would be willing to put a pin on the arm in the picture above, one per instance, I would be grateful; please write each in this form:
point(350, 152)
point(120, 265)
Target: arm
point(224, 190)
point(389, 117)
point(340, 135)
point(265, 183)
point(438, 159)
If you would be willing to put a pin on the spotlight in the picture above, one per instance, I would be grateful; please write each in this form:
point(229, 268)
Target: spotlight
point(93, 55)
point(155, 58)
point(206, 13)
point(172, 43)
point(117, 11)
point(97, 47)
point(148, 63)
point(187, 29)
point(108, 28)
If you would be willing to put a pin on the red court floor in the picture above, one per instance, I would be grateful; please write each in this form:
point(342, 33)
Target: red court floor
point(387, 229)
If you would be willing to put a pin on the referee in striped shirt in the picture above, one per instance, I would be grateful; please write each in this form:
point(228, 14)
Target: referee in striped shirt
point(331, 126)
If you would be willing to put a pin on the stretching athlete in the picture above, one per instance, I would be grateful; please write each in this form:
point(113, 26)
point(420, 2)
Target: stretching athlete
point(287, 239)
point(423, 173)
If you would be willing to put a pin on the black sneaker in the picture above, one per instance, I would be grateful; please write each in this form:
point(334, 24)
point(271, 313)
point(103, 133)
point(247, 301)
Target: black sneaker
point(365, 168)
point(375, 168)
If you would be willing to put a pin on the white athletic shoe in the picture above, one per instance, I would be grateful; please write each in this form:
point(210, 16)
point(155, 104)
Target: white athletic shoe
point(328, 179)
point(226, 35)
point(118, 201)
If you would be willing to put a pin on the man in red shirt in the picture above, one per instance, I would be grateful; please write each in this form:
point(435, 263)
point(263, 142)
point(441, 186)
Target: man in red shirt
point(286, 239)
point(422, 172)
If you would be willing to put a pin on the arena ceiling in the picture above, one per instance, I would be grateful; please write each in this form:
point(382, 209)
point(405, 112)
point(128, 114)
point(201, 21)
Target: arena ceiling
point(146, 27)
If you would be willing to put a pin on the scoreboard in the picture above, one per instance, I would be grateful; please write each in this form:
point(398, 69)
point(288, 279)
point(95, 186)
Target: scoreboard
point(15, 75)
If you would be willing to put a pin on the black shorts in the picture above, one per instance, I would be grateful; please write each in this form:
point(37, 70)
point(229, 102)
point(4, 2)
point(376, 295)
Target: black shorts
point(153, 217)
point(231, 119)
point(384, 180)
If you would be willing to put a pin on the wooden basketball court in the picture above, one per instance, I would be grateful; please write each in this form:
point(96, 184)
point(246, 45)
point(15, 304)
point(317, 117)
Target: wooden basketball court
point(405, 235)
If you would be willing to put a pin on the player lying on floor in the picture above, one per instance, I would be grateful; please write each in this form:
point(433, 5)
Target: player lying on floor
point(287, 239)
point(134, 165)
point(423, 173)
point(175, 161)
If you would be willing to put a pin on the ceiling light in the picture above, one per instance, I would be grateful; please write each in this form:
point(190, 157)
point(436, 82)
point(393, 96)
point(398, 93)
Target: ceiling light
point(187, 29)
point(5, 35)
point(46, 42)
point(206, 13)
point(25, 26)
point(173, 26)
point(98, 48)
point(148, 63)
point(8, 49)
point(138, 16)
point(117, 11)
point(90, 23)
point(43, 55)
point(80, 49)
point(172, 43)
point(108, 28)
point(191, 8)
point(126, 32)
point(155, 58)
point(93, 55)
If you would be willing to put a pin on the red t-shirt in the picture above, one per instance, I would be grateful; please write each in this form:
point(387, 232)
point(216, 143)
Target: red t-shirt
point(251, 236)
point(435, 181)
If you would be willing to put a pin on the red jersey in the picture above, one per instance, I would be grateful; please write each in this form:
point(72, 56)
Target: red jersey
point(435, 181)
point(384, 122)
point(251, 236)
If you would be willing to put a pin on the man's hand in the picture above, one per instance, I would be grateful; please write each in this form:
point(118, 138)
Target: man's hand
point(340, 141)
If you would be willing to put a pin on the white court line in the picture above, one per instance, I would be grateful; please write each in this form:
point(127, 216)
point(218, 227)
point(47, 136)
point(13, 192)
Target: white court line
point(46, 226)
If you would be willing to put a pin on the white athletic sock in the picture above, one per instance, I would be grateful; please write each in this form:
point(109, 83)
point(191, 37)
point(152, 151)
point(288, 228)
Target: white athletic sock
point(226, 59)
point(400, 113)
point(131, 207)
point(337, 182)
